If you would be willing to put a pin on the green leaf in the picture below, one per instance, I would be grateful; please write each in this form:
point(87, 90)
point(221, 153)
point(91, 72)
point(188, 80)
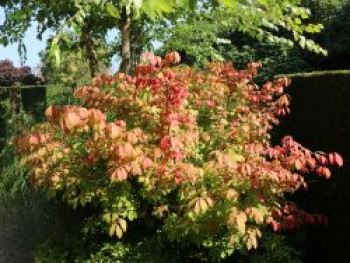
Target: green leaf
point(154, 8)
point(107, 218)
point(229, 3)
point(55, 51)
point(297, 21)
point(112, 10)
point(302, 41)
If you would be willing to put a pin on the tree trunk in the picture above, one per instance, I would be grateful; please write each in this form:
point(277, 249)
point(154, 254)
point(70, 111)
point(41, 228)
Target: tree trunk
point(137, 36)
point(126, 41)
point(90, 50)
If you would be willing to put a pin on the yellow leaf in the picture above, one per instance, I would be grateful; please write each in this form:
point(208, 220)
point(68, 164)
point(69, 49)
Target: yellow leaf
point(203, 205)
point(209, 201)
point(136, 169)
point(197, 207)
point(258, 233)
point(122, 224)
point(251, 241)
point(232, 217)
point(249, 244)
point(112, 229)
point(114, 217)
point(119, 231)
point(258, 216)
point(232, 241)
point(235, 157)
point(241, 219)
point(232, 195)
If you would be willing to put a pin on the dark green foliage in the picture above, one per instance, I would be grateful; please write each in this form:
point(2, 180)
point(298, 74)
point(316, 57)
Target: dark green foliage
point(74, 69)
point(75, 247)
point(274, 249)
point(60, 95)
point(241, 49)
point(34, 101)
point(14, 187)
point(320, 115)
point(72, 246)
point(30, 99)
point(334, 15)
point(276, 58)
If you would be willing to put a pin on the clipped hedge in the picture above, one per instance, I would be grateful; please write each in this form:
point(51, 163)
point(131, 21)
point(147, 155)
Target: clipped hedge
point(320, 119)
point(320, 102)
point(32, 99)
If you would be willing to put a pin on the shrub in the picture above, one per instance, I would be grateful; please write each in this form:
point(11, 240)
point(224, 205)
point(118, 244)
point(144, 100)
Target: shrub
point(13, 184)
point(276, 58)
point(174, 156)
point(9, 74)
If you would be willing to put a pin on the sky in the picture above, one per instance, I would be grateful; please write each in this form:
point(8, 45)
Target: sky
point(34, 46)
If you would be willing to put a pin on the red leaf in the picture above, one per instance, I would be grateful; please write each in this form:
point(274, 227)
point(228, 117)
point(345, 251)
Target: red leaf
point(326, 173)
point(322, 160)
point(147, 163)
point(298, 165)
point(338, 159)
point(121, 174)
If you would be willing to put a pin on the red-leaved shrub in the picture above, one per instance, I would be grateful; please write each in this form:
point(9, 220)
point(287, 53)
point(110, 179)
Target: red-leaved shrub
point(188, 147)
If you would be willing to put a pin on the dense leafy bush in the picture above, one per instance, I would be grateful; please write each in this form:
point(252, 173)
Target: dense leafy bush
point(176, 157)
point(13, 184)
point(73, 70)
point(275, 58)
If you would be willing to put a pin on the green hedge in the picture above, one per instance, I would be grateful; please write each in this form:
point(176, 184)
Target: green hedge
point(320, 120)
point(317, 74)
point(32, 99)
point(320, 110)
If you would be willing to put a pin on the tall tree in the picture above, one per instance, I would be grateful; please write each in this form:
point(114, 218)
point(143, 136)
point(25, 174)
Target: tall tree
point(89, 19)
point(199, 33)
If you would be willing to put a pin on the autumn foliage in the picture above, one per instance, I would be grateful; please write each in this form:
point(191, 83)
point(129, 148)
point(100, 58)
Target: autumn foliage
point(191, 148)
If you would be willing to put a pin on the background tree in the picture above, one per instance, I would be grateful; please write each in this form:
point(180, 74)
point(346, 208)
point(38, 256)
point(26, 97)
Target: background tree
point(88, 20)
point(92, 19)
point(74, 69)
point(199, 33)
point(88, 24)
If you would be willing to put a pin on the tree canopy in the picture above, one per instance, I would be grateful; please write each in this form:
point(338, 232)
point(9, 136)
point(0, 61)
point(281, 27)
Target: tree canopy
point(189, 22)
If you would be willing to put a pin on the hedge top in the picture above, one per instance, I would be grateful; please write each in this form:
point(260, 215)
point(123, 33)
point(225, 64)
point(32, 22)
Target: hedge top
point(316, 74)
